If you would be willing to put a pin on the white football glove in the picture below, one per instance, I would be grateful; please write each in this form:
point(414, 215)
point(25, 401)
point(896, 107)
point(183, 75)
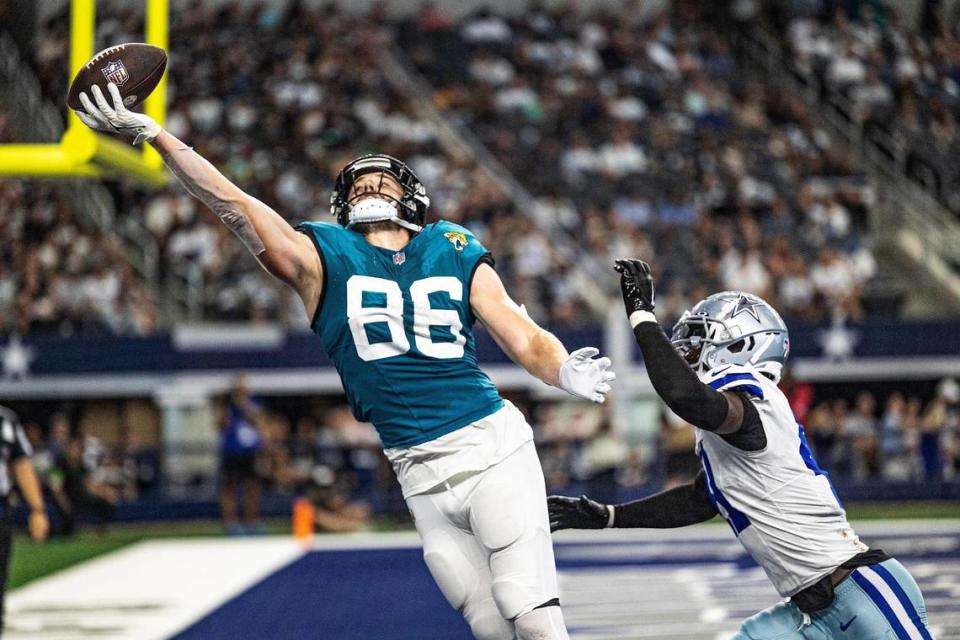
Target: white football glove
point(116, 119)
point(586, 377)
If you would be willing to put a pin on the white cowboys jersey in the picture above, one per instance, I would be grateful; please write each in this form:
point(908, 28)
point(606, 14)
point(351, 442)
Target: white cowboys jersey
point(778, 502)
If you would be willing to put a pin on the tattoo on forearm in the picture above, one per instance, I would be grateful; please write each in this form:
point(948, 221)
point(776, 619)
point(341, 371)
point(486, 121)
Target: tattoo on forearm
point(204, 182)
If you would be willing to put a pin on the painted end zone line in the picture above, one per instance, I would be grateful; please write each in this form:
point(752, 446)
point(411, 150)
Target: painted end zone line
point(145, 592)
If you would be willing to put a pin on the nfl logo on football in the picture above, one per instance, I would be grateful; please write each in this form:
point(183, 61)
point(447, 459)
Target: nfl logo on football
point(116, 73)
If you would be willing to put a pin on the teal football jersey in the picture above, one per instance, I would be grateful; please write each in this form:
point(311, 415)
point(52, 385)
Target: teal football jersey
point(398, 327)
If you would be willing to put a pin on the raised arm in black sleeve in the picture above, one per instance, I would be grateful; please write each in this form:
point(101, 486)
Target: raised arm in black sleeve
point(677, 507)
point(672, 378)
point(676, 383)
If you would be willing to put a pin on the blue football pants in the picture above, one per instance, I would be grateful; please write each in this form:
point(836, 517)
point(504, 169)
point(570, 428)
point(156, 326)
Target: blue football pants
point(876, 602)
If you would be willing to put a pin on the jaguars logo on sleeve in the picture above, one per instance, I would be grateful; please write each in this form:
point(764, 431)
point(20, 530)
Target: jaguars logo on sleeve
point(459, 240)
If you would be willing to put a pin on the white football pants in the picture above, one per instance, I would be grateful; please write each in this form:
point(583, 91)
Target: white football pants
point(486, 540)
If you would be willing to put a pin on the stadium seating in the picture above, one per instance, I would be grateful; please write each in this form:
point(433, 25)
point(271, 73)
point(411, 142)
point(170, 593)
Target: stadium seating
point(281, 123)
point(646, 138)
point(650, 140)
point(900, 81)
point(58, 276)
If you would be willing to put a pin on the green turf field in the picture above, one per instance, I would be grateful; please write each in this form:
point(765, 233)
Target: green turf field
point(31, 561)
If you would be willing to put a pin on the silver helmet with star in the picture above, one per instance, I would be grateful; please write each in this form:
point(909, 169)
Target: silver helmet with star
point(733, 328)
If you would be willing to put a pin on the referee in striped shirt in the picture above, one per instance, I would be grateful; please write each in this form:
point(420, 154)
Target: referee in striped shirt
point(15, 465)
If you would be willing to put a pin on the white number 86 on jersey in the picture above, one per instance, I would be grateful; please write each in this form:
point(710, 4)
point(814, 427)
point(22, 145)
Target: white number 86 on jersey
point(424, 317)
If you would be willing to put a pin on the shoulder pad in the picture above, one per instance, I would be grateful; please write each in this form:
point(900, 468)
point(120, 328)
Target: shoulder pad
point(735, 377)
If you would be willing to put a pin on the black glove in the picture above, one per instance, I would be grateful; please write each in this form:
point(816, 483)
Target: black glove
point(636, 285)
point(576, 513)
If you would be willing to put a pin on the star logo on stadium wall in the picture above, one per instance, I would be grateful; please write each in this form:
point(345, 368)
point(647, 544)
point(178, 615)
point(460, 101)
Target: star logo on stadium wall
point(838, 342)
point(746, 305)
point(16, 358)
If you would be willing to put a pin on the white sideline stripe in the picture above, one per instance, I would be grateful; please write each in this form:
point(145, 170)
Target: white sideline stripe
point(366, 540)
point(892, 601)
point(145, 592)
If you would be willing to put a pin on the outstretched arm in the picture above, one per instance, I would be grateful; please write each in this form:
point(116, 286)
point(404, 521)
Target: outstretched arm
point(285, 253)
point(534, 348)
point(678, 507)
point(672, 378)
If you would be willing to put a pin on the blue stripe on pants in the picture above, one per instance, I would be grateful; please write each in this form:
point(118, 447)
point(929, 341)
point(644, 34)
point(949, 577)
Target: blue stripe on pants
point(902, 597)
point(881, 603)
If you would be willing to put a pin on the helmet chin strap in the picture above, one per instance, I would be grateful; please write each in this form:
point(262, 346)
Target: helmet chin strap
point(378, 210)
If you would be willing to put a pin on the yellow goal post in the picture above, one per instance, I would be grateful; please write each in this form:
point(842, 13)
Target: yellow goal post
point(82, 152)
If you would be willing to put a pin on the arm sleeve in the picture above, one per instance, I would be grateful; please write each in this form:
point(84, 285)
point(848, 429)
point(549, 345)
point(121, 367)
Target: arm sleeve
point(676, 383)
point(677, 507)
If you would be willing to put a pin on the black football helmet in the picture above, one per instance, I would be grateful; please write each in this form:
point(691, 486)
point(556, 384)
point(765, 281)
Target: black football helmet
point(411, 209)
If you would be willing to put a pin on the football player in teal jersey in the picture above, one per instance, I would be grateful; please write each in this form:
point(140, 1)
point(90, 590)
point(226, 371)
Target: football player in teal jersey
point(393, 300)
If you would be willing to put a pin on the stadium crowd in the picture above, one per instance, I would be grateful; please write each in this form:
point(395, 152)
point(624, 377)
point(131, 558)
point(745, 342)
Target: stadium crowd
point(57, 275)
point(644, 137)
point(898, 78)
point(639, 135)
point(280, 121)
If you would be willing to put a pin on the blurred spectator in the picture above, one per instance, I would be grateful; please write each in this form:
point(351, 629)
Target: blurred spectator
point(821, 434)
point(333, 512)
point(938, 424)
point(273, 462)
point(841, 460)
point(240, 442)
point(85, 490)
point(141, 462)
point(834, 279)
point(860, 431)
point(117, 472)
point(898, 440)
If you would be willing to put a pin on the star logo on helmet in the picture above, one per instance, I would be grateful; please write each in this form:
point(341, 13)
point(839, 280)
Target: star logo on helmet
point(746, 305)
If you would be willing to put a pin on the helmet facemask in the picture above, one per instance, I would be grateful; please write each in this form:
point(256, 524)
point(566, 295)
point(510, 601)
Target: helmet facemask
point(408, 211)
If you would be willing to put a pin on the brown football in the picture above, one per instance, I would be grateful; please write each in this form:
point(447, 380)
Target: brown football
point(135, 68)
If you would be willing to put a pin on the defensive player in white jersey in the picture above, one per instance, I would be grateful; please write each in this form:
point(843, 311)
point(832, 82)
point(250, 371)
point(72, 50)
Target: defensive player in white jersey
point(393, 300)
point(720, 374)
